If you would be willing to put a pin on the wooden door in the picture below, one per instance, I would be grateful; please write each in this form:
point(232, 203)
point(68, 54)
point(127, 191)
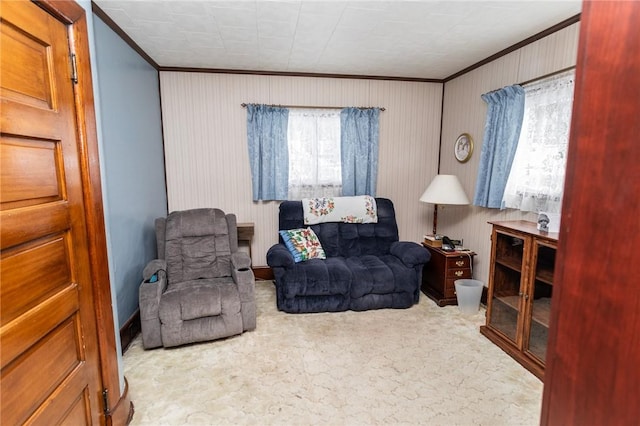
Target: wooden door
point(49, 358)
point(593, 357)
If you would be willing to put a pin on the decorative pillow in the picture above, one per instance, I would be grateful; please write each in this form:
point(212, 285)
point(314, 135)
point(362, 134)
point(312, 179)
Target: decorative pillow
point(303, 244)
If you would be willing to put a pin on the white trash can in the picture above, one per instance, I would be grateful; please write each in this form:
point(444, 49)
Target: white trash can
point(469, 293)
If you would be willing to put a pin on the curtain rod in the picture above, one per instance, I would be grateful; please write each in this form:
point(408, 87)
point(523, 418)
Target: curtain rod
point(551, 74)
point(243, 105)
point(533, 80)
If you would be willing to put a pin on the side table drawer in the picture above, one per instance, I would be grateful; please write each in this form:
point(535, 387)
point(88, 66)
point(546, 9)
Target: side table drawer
point(457, 273)
point(452, 276)
point(459, 262)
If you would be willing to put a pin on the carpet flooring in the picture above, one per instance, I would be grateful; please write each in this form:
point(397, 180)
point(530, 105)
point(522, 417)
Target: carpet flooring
point(424, 365)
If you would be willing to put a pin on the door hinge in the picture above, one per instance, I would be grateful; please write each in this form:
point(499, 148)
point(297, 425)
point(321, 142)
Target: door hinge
point(74, 68)
point(105, 402)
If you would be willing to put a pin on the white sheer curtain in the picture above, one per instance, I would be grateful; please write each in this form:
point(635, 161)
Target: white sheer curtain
point(314, 153)
point(536, 180)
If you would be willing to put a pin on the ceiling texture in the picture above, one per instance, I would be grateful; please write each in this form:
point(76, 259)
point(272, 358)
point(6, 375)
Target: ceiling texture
point(397, 39)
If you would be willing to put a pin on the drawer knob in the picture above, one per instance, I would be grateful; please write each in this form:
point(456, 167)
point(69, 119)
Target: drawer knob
point(459, 262)
point(458, 273)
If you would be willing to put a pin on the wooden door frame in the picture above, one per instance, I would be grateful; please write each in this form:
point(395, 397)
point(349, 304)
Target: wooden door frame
point(592, 373)
point(117, 407)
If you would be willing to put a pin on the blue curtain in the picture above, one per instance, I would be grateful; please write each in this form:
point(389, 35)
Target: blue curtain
point(501, 132)
point(359, 150)
point(268, 153)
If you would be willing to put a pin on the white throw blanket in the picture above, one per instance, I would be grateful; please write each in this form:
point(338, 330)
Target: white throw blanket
point(359, 209)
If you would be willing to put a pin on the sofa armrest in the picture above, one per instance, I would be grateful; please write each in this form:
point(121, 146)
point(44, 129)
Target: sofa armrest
point(411, 254)
point(279, 256)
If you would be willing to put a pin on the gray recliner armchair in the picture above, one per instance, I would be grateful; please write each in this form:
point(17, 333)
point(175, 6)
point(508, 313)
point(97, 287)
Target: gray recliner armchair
point(201, 287)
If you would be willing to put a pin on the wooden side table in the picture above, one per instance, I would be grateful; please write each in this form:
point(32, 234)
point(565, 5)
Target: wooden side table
point(245, 234)
point(440, 273)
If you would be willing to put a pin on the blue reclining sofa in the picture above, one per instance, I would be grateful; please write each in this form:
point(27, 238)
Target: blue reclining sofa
point(366, 267)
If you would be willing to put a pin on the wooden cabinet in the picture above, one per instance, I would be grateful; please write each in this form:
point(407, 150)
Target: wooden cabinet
point(520, 291)
point(440, 273)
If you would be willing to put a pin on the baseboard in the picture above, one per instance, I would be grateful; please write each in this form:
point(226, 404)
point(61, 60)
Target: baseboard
point(130, 330)
point(263, 273)
point(122, 413)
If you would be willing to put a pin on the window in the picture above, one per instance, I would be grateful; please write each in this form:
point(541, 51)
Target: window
point(313, 137)
point(536, 179)
point(307, 153)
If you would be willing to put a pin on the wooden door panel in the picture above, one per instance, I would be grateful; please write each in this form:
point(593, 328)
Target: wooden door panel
point(20, 334)
point(33, 89)
point(49, 359)
point(55, 358)
point(15, 119)
point(23, 225)
point(65, 408)
point(77, 415)
point(31, 275)
point(42, 183)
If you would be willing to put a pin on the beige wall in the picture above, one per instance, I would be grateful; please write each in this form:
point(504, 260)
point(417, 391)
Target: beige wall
point(464, 112)
point(206, 147)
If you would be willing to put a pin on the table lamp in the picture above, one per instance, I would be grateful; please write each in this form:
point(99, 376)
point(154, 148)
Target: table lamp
point(444, 189)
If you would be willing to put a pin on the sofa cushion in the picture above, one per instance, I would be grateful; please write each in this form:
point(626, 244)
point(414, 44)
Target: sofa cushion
point(303, 244)
point(370, 275)
point(200, 301)
point(318, 277)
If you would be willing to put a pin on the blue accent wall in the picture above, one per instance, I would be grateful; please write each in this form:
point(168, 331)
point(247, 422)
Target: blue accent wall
point(133, 174)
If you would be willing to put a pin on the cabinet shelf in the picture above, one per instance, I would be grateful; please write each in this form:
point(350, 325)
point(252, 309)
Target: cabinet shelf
point(546, 276)
point(541, 311)
point(510, 301)
point(512, 263)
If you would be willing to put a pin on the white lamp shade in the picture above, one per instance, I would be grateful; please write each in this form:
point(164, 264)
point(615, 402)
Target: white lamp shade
point(445, 189)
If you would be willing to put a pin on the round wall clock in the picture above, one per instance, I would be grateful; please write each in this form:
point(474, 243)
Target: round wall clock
point(463, 148)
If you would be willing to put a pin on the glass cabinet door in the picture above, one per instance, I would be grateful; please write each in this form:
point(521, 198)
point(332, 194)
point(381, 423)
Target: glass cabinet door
point(507, 279)
point(541, 300)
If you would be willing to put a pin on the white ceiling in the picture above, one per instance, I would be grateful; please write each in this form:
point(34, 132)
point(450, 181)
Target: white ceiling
point(411, 39)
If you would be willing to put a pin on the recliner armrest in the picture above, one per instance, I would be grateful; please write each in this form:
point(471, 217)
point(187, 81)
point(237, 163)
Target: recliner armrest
point(153, 267)
point(243, 275)
point(240, 261)
point(279, 256)
point(246, 281)
point(410, 253)
point(149, 300)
